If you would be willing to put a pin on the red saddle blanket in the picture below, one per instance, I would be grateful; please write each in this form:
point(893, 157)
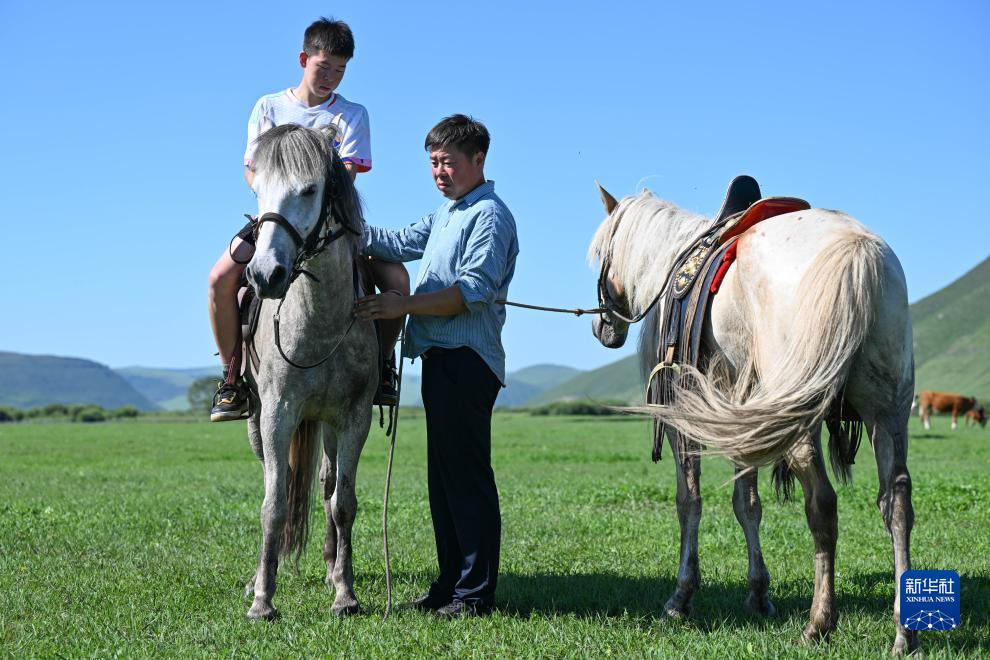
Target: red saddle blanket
point(758, 212)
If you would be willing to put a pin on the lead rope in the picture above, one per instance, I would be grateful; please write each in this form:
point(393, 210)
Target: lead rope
point(393, 424)
point(575, 312)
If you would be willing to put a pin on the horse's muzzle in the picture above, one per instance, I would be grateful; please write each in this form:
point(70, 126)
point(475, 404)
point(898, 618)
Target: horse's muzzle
point(269, 280)
point(606, 334)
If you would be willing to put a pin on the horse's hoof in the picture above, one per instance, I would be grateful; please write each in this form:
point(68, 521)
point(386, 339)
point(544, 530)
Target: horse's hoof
point(676, 612)
point(344, 610)
point(262, 613)
point(905, 645)
point(814, 635)
point(761, 606)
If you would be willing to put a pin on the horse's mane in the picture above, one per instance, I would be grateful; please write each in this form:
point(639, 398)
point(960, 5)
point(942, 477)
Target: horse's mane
point(641, 238)
point(295, 153)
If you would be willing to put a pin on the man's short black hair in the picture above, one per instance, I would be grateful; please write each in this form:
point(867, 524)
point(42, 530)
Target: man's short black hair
point(330, 36)
point(465, 133)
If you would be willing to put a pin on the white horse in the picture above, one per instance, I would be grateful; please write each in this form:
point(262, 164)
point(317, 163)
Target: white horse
point(813, 311)
point(318, 365)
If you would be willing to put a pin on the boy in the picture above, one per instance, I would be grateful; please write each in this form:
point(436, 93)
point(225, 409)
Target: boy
point(328, 45)
point(469, 249)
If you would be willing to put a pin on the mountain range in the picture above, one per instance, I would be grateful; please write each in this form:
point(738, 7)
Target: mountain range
point(951, 344)
point(952, 336)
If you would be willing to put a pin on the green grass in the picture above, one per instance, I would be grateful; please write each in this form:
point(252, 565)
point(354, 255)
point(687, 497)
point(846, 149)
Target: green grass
point(136, 539)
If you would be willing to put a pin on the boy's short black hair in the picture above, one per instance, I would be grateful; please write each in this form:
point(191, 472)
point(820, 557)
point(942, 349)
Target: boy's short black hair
point(466, 133)
point(330, 36)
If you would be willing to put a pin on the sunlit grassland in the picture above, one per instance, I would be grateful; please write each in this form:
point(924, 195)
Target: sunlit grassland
point(137, 538)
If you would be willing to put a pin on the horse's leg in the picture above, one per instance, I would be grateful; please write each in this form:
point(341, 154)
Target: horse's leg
point(749, 512)
point(343, 508)
point(689, 516)
point(328, 482)
point(955, 411)
point(254, 437)
point(890, 444)
point(276, 432)
point(820, 508)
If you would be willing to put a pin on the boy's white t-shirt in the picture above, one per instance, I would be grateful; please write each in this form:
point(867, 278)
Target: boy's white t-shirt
point(353, 139)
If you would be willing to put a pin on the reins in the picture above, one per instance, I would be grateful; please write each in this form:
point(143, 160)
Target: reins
point(558, 310)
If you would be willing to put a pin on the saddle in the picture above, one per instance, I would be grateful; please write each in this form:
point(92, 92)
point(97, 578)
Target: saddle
point(695, 279)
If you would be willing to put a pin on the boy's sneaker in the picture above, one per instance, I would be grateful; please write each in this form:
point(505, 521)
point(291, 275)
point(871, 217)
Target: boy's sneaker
point(230, 402)
point(388, 392)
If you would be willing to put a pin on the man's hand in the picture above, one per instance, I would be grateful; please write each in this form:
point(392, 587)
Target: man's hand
point(388, 305)
point(393, 305)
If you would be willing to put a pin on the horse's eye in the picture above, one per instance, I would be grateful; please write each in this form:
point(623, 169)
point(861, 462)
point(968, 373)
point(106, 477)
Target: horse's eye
point(308, 191)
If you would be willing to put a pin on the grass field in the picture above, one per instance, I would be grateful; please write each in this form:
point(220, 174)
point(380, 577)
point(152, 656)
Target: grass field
point(136, 539)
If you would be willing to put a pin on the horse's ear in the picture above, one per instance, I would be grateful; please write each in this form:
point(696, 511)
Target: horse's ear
point(329, 131)
point(607, 199)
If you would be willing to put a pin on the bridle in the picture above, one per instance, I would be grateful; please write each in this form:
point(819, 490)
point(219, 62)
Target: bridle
point(608, 306)
point(318, 239)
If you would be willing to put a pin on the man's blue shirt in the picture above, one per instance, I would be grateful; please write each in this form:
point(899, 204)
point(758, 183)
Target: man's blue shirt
point(470, 242)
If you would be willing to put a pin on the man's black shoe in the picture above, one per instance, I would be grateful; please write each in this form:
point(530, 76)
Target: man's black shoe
point(230, 402)
point(426, 603)
point(458, 609)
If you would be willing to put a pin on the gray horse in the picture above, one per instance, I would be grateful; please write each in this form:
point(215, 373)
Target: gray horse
point(318, 366)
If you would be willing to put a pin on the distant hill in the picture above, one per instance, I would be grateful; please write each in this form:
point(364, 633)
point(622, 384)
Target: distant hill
point(544, 376)
point(524, 385)
point(618, 380)
point(29, 381)
point(520, 386)
point(952, 336)
point(166, 387)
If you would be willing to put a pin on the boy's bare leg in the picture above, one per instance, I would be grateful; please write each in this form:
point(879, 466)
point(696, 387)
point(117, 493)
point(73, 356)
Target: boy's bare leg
point(225, 281)
point(390, 276)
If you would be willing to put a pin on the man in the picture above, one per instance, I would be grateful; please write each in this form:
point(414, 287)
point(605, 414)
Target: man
point(469, 249)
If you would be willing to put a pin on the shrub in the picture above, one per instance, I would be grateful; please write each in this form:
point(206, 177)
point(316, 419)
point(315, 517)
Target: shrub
point(53, 410)
point(124, 412)
point(200, 393)
point(579, 407)
point(8, 414)
point(89, 414)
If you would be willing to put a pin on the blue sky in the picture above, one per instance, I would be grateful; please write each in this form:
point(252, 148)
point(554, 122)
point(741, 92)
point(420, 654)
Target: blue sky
point(123, 126)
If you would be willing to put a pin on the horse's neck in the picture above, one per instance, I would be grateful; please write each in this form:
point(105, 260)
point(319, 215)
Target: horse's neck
point(650, 245)
point(329, 298)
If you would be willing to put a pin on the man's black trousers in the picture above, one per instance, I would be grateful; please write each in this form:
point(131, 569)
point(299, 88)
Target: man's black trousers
point(459, 391)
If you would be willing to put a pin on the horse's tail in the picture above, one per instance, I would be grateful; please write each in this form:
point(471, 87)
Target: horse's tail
point(777, 399)
point(304, 463)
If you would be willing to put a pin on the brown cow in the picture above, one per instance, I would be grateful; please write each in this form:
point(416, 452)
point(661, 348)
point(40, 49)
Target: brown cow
point(944, 402)
point(976, 416)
